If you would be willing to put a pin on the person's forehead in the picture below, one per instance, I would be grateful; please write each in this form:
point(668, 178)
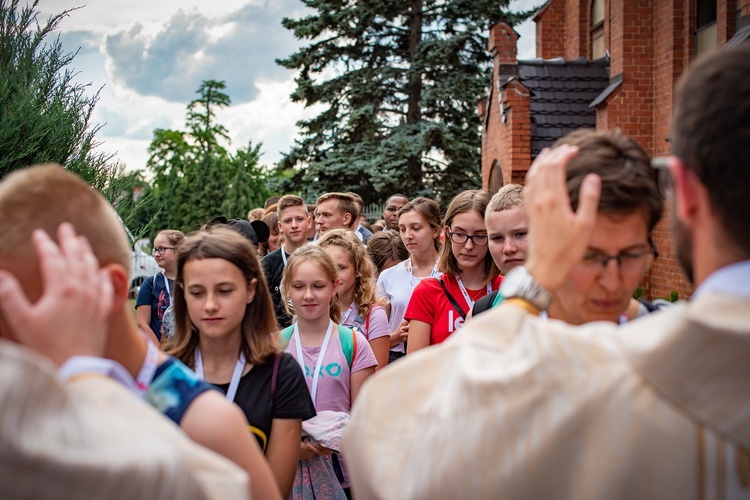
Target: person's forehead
point(470, 219)
point(397, 200)
point(615, 232)
point(411, 217)
point(293, 211)
point(328, 205)
point(506, 220)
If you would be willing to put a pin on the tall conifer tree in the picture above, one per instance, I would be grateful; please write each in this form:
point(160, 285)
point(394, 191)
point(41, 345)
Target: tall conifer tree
point(399, 112)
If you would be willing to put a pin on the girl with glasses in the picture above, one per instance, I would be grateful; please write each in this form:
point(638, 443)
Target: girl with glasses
point(438, 306)
point(155, 294)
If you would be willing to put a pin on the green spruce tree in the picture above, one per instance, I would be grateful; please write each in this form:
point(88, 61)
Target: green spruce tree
point(399, 114)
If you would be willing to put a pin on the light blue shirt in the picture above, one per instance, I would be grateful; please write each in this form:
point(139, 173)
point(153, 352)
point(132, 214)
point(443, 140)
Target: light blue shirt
point(733, 279)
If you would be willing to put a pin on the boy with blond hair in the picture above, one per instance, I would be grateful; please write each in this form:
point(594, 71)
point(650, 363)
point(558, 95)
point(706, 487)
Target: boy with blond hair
point(43, 197)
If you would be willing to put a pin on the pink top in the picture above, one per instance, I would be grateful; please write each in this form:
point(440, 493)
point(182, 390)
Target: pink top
point(334, 385)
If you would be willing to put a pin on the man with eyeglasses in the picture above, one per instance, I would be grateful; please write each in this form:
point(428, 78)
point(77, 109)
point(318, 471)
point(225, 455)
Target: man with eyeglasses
point(390, 212)
point(532, 408)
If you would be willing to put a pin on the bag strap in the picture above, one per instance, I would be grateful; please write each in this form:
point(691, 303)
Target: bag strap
point(275, 374)
point(367, 322)
point(348, 340)
point(452, 300)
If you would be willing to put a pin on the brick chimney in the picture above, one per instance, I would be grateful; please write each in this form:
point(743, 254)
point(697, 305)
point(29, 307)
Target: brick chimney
point(502, 43)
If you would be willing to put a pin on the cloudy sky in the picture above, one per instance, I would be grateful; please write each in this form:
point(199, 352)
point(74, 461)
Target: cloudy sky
point(150, 56)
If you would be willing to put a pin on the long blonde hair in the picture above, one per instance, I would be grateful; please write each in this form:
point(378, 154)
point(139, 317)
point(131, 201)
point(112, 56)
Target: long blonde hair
point(320, 257)
point(259, 322)
point(365, 287)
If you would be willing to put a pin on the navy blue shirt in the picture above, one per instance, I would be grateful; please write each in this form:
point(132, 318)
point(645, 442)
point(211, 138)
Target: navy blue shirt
point(154, 293)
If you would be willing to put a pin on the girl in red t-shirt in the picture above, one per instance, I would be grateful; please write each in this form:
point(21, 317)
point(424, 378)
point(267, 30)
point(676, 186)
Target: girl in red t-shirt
point(439, 306)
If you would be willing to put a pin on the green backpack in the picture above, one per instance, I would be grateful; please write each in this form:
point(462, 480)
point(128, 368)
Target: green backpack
point(347, 338)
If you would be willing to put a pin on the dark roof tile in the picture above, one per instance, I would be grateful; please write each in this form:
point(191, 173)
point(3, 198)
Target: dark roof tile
point(561, 93)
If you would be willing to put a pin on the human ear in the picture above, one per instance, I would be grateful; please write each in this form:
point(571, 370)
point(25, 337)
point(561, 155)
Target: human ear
point(251, 286)
point(120, 283)
point(685, 189)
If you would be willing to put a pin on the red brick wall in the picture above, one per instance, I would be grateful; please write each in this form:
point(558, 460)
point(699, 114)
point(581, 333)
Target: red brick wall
point(508, 142)
point(550, 30)
point(576, 29)
point(671, 45)
point(497, 143)
point(651, 42)
point(725, 21)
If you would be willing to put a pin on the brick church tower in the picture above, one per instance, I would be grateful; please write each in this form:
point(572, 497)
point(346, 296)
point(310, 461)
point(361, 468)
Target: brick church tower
point(600, 64)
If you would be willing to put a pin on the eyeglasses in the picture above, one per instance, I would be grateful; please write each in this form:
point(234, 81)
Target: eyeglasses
point(479, 240)
point(160, 250)
point(666, 183)
point(630, 263)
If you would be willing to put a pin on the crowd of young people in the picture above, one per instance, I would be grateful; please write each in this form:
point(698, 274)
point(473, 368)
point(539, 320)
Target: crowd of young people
point(265, 362)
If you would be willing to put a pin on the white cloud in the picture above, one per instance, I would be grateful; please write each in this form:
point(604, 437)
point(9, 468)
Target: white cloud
point(150, 57)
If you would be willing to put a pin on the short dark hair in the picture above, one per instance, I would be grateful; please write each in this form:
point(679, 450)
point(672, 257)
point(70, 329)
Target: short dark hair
point(710, 134)
point(628, 181)
point(384, 246)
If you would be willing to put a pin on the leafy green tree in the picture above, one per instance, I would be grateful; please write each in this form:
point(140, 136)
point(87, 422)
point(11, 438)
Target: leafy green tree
point(195, 177)
point(248, 183)
point(45, 116)
point(399, 114)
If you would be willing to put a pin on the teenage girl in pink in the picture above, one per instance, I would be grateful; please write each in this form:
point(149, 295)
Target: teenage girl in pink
point(310, 282)
point(438, 306)
point(357, 293)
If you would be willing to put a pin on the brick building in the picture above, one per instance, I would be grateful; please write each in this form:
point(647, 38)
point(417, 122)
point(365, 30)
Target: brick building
point(603, 64)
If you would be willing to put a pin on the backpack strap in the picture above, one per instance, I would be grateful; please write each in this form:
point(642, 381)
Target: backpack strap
point(285, 336)
point(348, 340)
point(451, 299)
point(483, 304)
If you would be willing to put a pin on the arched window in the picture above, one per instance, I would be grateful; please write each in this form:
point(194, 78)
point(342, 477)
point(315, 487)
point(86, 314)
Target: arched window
point(598, 45)
point(496, 177)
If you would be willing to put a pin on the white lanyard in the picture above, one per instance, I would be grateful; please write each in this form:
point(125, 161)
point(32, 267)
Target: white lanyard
point(166, 285)
point(466, 294)
point(283, 254)
point(236, 375)
point(348, 313)
point(410, 267)
point(301, 360)
point(148, 368)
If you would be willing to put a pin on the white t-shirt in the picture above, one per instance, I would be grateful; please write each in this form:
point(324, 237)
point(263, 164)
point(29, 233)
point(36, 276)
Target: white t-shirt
point(396, 285)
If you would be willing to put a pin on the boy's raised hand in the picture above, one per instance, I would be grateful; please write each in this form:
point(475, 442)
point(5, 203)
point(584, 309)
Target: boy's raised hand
point(71, 316)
